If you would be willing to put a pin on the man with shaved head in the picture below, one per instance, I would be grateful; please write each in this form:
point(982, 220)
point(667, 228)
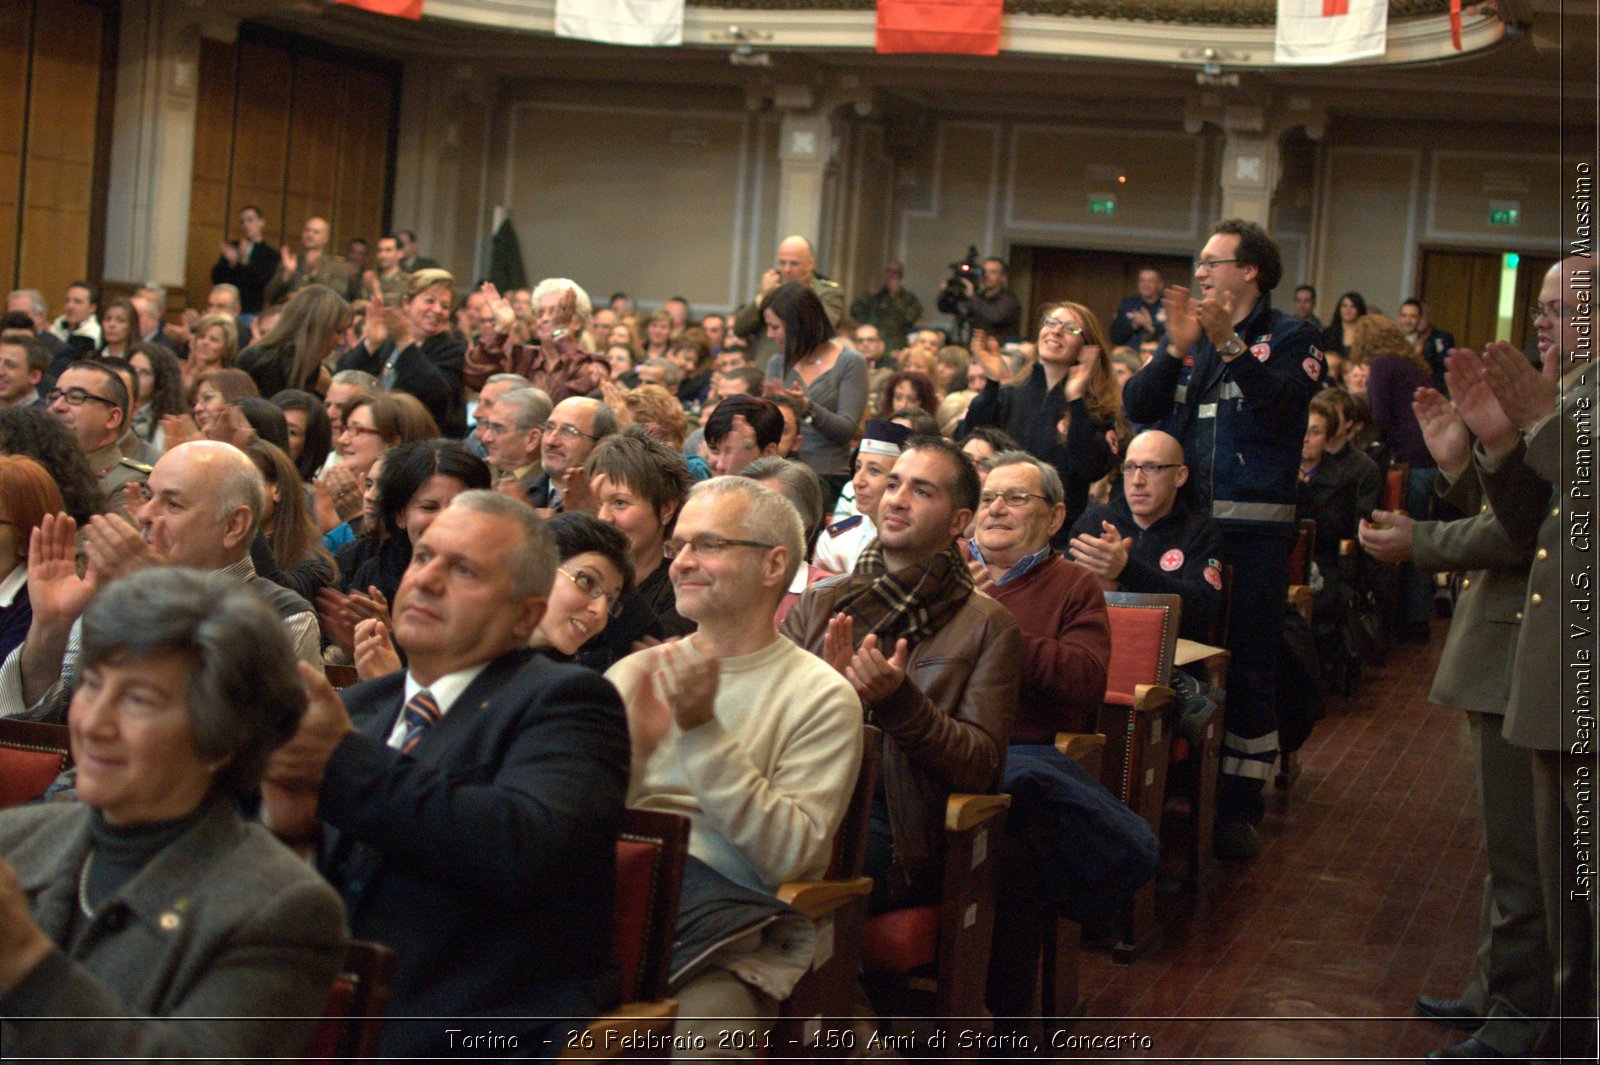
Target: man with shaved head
point(311, 265)
point(795, 261)
point(203, 507)
point(1149, 539)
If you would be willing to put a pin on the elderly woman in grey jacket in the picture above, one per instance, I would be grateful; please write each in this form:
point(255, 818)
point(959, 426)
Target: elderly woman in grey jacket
point(150, 920)
point(824, 378)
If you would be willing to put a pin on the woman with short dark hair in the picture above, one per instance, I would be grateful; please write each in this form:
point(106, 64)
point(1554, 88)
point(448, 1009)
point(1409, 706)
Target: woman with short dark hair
point(826, 378)
point(149, 912)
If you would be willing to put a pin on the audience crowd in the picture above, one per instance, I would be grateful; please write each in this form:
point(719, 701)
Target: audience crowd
point(584, 555)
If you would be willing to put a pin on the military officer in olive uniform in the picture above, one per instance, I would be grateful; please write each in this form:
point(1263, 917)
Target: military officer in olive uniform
point(92, 402)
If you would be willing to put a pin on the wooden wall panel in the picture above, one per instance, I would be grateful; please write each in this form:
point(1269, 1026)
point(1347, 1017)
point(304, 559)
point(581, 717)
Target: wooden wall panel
point(301, 132)
point(210, 220)
point(261, 133)
point(63, 108)
point(313, 144)
point(14, 22)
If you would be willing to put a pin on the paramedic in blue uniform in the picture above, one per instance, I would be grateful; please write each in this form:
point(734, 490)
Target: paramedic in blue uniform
point(1232, 381)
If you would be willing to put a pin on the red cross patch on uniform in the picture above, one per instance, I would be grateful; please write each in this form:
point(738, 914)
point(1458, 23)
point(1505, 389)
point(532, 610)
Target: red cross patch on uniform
point(1261, 351)
point(1172, 560)
point(1312, 367)
point(1213, 575)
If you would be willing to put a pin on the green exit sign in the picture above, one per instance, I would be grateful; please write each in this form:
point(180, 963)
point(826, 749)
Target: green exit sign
point(1505, 216)
point(1102, 206)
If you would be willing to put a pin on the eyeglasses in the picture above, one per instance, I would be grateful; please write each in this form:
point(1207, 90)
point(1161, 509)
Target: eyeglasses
point(1553, 311)
point(496, 428)
point(77, 397)
point(1149, 469)
point(1207, 264)
point(590, 586)
point(1014, 497)
point(708, 546)
point(1061, 323)
point(571, 432)
point(360, 430)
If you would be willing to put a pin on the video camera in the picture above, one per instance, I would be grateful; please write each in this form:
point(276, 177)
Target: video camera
point(954, 291)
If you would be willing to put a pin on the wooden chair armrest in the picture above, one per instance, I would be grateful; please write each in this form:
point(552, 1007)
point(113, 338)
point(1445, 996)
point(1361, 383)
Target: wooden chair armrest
point(964, 812)
point(1088, 749)
point(1149, 698)
point(1301, 598)
point(819, 898)
point(605, 1037)
point(1079, 746)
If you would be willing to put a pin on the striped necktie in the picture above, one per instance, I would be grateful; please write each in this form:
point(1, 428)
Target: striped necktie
point(421, 712)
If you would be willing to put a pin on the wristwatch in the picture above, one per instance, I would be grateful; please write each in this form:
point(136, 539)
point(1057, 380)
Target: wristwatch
point(1234, 346)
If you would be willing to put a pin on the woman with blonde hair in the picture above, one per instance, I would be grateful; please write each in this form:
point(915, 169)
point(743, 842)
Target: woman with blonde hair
point(213, 345)
point(413, 349)
point(1395, 370)
point(291, 353)
point(1061, 412)
point(657, 336)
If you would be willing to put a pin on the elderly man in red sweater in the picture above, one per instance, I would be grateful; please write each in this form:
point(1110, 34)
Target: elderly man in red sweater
point(1066, 635)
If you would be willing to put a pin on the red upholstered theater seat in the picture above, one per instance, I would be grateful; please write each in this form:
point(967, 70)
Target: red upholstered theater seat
point(1136, 651)
point(901, 941)
point(631, 910)
point(32, 754)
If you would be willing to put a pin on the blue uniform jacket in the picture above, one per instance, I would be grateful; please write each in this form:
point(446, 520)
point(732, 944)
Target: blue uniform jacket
point(1241, 423)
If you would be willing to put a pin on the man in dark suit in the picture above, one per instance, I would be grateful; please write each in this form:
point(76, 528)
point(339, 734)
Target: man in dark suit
point(1432, 344)
point(470, 803)
point(247, 264)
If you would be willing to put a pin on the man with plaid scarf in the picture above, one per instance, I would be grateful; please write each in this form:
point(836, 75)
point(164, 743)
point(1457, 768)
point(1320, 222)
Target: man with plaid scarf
point(935, 661)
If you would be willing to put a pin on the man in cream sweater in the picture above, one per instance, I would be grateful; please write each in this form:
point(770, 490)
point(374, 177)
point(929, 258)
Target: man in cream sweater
point(754, 740)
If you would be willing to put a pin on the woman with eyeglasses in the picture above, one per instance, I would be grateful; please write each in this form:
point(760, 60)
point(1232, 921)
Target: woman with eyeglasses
point(591, 587)
point(369, 426)
point(1062, 410)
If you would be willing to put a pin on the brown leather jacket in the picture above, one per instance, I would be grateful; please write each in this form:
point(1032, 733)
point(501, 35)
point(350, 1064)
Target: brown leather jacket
point(950, 721)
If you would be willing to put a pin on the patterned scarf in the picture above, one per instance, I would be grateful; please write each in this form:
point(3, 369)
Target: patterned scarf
point(910, 604)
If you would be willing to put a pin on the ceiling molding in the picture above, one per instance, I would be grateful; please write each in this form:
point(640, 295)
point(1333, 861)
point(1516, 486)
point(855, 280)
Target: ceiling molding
point(821, 26)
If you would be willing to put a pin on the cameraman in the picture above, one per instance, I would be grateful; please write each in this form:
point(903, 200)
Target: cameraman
point(992, 308)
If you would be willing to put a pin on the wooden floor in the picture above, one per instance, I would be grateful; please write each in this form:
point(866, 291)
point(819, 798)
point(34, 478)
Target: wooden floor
point(1366, 895)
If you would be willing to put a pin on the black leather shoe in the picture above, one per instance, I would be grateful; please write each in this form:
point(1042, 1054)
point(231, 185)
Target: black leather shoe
point(1451, 1012)
point(1236, 840)
point(1467, 1048)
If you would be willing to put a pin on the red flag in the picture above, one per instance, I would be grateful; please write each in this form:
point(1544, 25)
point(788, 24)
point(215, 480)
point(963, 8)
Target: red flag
point(949, 27)
point(411, 9)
